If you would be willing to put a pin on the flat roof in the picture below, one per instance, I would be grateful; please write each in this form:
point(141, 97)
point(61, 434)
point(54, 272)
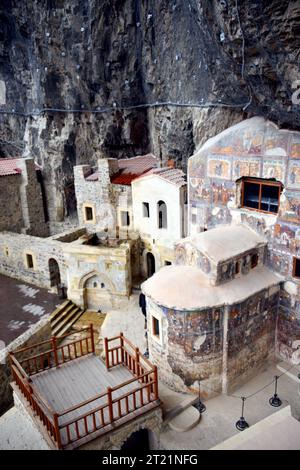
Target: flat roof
point(187, 288)
point(225, 242)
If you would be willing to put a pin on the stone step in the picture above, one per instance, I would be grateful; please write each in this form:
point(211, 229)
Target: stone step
point(186, 420)
point(292, 374)
point(73, 316)
point(63, 313)
point(57, 311)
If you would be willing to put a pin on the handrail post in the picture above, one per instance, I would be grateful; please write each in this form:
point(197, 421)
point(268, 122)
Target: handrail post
point(106, 352)
point(110, 404)
point(122, 347)
point(57, 431)
point(92, 338)
point(54, 346)
point(137, 361)
point(155, 383)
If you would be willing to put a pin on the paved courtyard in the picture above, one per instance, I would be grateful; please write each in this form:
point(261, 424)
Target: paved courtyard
point(22, 305)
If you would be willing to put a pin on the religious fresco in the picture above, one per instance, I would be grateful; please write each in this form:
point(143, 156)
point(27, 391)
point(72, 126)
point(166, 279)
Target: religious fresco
point(273, 169)
point(245, 167)
point(241, 142)
point(276, 143)
point(294, 174)
point(218, 168)
point(295, 146)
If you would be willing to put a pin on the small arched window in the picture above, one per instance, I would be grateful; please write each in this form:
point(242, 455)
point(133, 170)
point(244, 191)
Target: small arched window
point(162, 214)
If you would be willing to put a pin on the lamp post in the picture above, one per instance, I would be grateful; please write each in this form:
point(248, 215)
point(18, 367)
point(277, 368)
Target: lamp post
point(200, 406)
point(242, 424)
point(275, 400)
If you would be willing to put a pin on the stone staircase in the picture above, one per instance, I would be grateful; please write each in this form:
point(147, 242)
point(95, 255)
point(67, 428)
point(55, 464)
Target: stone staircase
point(64, 316)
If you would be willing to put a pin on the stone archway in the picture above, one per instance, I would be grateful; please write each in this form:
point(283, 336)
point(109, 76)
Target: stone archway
point(137, 440)
point(54, 273)
point(97, 290)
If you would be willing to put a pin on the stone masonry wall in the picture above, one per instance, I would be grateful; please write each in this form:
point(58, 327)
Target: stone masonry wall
point(10, 207)
point(13, 261)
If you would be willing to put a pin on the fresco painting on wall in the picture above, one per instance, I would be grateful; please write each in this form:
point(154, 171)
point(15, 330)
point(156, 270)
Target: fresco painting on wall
point(246, 168)
point(295, 147)
point(219, 168)
point(273, 169)
point(294, 175)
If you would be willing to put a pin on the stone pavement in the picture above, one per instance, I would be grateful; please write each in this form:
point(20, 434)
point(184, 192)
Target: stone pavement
point(129, 320)
point(22, 305)
point(222, 412)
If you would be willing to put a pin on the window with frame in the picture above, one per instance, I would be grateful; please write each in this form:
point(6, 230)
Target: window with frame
point(261, 195)
point(296, 267)
point(146, 209)
point(29, 260)
point(125, 218)
point(89, 213)
point(155, 327)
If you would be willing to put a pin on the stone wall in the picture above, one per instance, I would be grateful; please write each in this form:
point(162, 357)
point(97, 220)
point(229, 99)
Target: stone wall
point(37, 333)
point(10, 207)
point(13, 261)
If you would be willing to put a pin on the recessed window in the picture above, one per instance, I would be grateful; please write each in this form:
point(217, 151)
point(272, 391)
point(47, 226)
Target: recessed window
point(296, 267)
point(125, 218)
point(95, 284)
point(162, 214)
point(167, 263)
point(146, 209)
point(261, 195)
point(155, 327)
point(89, 213)
point(102, 285)
point(29, 260)
point(254, 260)
point(237, 267)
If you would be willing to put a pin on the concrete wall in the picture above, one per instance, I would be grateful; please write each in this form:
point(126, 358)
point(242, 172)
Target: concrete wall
point(257, 148)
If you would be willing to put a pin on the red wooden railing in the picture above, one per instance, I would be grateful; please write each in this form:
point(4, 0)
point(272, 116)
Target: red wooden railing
point(115, 404)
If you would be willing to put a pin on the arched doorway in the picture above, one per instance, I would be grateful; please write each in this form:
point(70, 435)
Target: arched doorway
point(137, 440)
point(54, 272)
point(150, 264)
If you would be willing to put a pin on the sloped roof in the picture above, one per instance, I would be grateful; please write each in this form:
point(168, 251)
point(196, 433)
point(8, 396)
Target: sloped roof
point(172, 175)
point(10, 166)
point(129, 169)
point(225, 242)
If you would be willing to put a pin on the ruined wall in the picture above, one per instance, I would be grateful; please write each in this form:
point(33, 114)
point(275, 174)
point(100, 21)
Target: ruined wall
point(10, 207)
point(13, 262)
point(254, 148)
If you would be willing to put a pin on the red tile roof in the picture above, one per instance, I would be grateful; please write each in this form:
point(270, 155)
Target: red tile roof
point(173, 175)
point(9, 166)
point(129, 169)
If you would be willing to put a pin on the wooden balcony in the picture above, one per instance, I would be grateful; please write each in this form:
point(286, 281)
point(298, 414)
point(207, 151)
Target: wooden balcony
point(75, 395)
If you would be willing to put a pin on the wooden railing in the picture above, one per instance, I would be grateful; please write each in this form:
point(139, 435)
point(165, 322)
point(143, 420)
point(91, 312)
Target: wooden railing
point(56, 354)
point(84, 419)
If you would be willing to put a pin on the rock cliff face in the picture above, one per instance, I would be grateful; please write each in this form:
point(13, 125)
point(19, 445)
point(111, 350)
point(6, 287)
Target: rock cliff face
point(92, 54)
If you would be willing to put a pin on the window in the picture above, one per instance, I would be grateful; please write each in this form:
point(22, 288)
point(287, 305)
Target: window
point(89, 213)
point(262, 195)
point(237, 267)
point(102, 285)
point(125, 219)
point(146, 209)
point(95, 284)
point(155, 327)
point(254, 260)
point(29, 260)
point(6, 251)
point(167, 263)
point(296, 267)
point(162, 214)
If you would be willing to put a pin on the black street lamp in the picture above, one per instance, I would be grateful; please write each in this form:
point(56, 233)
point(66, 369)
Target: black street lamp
point(275, 400)
point(242, 424)
point(200, 406)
